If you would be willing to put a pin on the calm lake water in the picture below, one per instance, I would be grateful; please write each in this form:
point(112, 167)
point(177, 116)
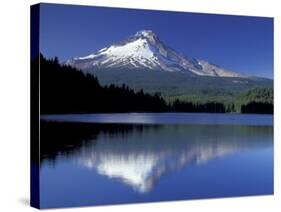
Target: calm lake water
point(96, 159)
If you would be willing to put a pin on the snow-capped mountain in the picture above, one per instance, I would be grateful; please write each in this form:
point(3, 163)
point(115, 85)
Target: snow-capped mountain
point(145, 51)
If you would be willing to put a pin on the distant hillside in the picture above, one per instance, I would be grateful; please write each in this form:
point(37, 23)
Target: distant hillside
point(65, 89)
point(181, 86)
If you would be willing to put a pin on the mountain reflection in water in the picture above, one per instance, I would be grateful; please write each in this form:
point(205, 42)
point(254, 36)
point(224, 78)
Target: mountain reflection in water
point(139, 155)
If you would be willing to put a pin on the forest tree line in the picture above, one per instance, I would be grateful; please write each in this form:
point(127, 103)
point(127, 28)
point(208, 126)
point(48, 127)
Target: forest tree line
point(64, 89)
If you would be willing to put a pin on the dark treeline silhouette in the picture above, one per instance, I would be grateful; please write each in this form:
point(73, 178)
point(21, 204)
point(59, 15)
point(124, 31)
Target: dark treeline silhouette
point(69, 137)
point(211, 107)
point(65, 89)
point(257, 107)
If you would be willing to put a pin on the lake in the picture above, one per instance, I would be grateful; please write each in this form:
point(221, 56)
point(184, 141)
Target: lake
point(97, 159)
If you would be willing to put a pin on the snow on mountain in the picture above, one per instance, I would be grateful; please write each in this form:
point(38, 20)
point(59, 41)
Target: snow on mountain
point(145, 51)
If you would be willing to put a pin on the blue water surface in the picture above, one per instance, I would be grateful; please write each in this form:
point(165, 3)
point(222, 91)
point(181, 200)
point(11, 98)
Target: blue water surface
point(155, 157)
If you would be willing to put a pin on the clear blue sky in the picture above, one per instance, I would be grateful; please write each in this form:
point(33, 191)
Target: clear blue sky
point(239, 43)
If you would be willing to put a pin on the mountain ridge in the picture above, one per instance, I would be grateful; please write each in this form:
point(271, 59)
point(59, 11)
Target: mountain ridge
point(144, 50)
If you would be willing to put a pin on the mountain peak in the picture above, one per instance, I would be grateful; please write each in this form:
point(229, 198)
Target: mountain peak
point(145, 33)
point(145, 51)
